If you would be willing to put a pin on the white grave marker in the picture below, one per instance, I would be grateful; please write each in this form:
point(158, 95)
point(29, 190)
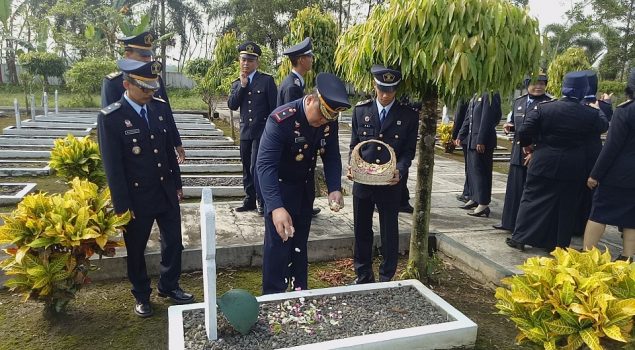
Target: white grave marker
point(56, 103)
point(16, 107)
point(45, 101)
point(208, 244)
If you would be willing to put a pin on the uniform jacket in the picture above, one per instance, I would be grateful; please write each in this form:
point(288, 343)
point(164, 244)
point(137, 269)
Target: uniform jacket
point(290, 89)
point(594, 143)
point(287, 155)
point(140, 163)
point(256, 102)
point(519, 110)
point(479, 126)
point(399, 130)
point(112, 90)
point(562, 129)
point(616, 164)
point(459, 118)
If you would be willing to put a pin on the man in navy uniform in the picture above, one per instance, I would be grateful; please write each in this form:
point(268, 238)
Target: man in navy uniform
point(139, 48)
point(387, 120)
point(144, 178)
point(479, 130)
point(520, 156)
point(295, 134)
point(561, 130)
point(292, 87)
point(254, 93)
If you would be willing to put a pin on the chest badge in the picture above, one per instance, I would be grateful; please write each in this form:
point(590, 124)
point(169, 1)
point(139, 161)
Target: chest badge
point(398, 122)
point(326, 129)
point(520, 107)
point(299, 157)
point(136, 150)
point(480, 99)
point(128, 123)
point(297, 125)
point(161, 118)
point(366, 118)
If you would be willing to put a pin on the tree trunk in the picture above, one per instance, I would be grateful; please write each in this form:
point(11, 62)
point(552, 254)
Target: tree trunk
point(627, 35)
point(341, 9)
point(12, 70)
point(163, 44)
point(418, 258)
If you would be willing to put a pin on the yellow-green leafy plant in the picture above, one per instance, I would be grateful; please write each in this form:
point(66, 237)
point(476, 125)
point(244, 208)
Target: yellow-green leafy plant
point(51, 239)
point(571, 300)
point(78, 157)
point(444, 132)
point(574, 59)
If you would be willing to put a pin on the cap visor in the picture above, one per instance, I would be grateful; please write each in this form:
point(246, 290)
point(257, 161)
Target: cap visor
point(144, 53)
point(248, 56)
point(384, 88)
point(148, 84)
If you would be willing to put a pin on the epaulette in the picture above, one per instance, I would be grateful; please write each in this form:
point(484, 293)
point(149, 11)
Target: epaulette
point(543, 102)
point(361, 103)
point(113, 75)
point(521, 96)
point(158, 99)
point(625, 103)
point(280, 114)
point(549, 95)
point(110, 108)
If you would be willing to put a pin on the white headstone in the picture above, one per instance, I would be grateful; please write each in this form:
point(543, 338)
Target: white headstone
point(45, 102)
point(16, 107)
point(33, 107)
point(208, 244)
point(56, 103)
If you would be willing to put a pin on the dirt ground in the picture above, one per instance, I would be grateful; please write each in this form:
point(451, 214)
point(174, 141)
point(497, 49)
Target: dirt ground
point(101, 317)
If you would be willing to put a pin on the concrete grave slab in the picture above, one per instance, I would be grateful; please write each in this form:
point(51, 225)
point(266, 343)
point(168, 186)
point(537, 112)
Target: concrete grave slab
point(12, 130)
point(26, 187)
point(24, 154)
point(18, 168)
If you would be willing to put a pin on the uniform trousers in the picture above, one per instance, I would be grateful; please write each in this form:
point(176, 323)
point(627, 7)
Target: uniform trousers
point(248, 156)
point(388, 209)
point(513, 193)
point(286, 263)
point(547, 212)
point(466, 185)
point(479, 168)
point(136, 238)
point(405, 193)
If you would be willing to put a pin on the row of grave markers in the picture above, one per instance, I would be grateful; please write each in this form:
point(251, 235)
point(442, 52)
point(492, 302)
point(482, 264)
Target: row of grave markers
point(45, 104)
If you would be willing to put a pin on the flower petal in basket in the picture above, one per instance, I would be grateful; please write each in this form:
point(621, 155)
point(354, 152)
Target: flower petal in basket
point(370, 173)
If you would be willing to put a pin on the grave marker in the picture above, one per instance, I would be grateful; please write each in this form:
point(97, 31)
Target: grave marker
point(208, 244)
point(16, 107)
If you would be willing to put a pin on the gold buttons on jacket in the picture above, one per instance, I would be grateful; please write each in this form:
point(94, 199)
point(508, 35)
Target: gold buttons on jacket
point(159, 165)
point(379, 148)
point(377, 161)
point(151, 137)
point(161, 178)
point(156, 150)
point(249, 119)
point(364, 133)
point(396, 136)
point(381, 135)
point(136, 184)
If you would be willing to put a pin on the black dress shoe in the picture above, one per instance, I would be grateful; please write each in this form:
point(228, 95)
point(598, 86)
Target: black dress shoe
point(515, 244)
point(177, 296)
point(501, 227)
point(461, 198)
point(406, 209)
point(315, 211)
point(143, 309)
point(485, 212)
point(245, 207)
point(469, 206)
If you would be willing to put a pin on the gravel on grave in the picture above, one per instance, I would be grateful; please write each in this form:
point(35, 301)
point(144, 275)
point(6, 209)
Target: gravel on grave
point(212, 181)
point(10, 190)
point(212, 161)
point(309, 320)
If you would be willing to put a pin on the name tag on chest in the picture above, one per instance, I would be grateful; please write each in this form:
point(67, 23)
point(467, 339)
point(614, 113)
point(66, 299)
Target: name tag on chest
point(132, 131)
point(300, 139)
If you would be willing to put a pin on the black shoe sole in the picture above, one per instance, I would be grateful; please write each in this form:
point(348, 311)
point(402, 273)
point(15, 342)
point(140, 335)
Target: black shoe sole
point(146, 315)
point(177, 301)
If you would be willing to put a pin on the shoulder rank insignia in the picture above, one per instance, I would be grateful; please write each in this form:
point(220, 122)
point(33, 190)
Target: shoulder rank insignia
point(625, 103)
point(360, 103)
point(282, 114)
point(113, 75)
point(521, 96)
point(158, 99)
point(543, 102)
point(110, 108)
point(549, 95)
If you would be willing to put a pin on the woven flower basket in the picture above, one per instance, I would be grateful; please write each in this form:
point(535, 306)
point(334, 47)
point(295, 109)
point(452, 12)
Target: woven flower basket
point(370, 173)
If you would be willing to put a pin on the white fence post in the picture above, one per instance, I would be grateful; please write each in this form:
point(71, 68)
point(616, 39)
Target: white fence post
point(18, 120)
point(208, 245)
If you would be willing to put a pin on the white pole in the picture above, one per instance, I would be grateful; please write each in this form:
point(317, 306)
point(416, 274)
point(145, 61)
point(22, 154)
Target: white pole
point(18, 121)
point(208, 243)
point(32, 107)
point(56, 103)
point(45, 100)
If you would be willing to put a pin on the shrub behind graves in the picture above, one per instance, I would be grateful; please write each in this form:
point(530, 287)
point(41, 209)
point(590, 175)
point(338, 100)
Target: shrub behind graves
point(78, 157)
point(85, 78)
point(572, 299)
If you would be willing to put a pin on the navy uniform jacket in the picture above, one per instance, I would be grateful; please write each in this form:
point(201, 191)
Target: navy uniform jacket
point(479, 126)
point(112, 90)
point(562, 129)
point(290, 89)
point(256, 102)
point(459, 118)
point(399, 130)
point(140, 163)
point(287, 155)
point(594, 143)
point(519, 110)
point(616, 164)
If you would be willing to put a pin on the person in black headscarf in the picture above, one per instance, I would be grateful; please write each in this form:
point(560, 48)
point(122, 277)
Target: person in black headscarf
point(556, 174)
point(613, 178)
